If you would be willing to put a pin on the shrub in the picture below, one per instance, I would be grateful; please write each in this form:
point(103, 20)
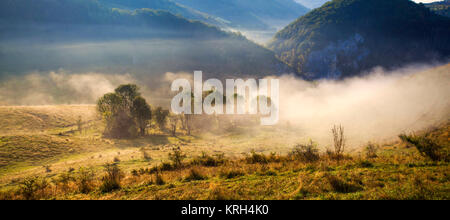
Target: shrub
point(85, 179)
point(177, 157)
point(159, 179)
point(29, 187)
point(64, 179)
point(256, 158)
point(208, 161)
point(194, 175)
point(306, 153)
point(426, 146)
point(135, 172)
point(163, 167)
point(371, 150)
point(111, 180)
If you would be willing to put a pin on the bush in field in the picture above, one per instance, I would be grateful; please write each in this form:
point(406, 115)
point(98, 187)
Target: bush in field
point(426, 146)
point(85, 180)
point(29, 187)
point(111, 180)
point(371, 150)
point(159, 179)
point(177, 157)
point(207, 160)
point(165, 166)
point(256, 158)
point(306, 152)
point(124, 111)
point(194, 175)
point(64, 179)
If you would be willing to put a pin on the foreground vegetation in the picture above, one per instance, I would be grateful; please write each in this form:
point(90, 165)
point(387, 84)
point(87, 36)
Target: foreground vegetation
point(398, 170)
point(67, 152)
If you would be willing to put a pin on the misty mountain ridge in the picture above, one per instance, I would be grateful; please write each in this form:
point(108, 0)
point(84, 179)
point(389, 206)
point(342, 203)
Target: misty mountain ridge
point(83, 35)
point(250, 14)
point(346, 37)
point(167, 5)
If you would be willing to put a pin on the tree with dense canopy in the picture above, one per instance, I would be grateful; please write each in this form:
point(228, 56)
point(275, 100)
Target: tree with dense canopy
point(124, 111)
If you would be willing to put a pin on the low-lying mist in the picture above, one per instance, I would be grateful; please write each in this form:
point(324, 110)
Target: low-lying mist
point(375, 107)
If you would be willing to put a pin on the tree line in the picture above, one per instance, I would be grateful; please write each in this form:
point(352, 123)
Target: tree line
point(127, 114)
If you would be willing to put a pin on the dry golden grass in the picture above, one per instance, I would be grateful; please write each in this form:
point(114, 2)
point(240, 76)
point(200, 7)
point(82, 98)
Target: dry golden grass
point(230, 165)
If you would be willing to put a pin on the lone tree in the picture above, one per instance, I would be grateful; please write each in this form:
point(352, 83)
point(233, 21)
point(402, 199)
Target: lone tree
point(124, 111)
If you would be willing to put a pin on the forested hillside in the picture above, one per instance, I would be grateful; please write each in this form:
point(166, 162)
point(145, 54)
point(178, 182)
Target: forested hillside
point(167, 5)
point(345, 37)
point(84, 35)
point(250, 14)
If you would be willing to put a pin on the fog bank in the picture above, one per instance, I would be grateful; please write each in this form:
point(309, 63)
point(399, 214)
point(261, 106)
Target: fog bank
point(376, 107)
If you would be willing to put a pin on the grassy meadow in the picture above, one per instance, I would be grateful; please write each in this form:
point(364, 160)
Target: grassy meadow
point(59, 152)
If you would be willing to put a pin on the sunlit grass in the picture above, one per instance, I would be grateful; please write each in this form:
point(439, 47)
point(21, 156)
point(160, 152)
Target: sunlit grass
point(254, 165)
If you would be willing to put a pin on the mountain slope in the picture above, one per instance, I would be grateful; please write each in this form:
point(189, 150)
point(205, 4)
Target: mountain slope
point(249, 14)
point(344, 37)
point(82, 35)
point(88, 12)
point(168, 5)
point(440, 8)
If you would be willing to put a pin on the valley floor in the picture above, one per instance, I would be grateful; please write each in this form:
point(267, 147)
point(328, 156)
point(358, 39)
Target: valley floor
point(50, 158)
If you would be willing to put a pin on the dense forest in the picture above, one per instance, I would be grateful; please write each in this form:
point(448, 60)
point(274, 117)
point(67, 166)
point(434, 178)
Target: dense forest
point(344, 37)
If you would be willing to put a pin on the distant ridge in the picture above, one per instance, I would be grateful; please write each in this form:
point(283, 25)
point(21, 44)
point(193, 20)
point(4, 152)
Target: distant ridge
point(346, 37)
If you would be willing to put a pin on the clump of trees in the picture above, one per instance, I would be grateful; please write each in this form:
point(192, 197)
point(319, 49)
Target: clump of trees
point(127, 115)
point(125, 111)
